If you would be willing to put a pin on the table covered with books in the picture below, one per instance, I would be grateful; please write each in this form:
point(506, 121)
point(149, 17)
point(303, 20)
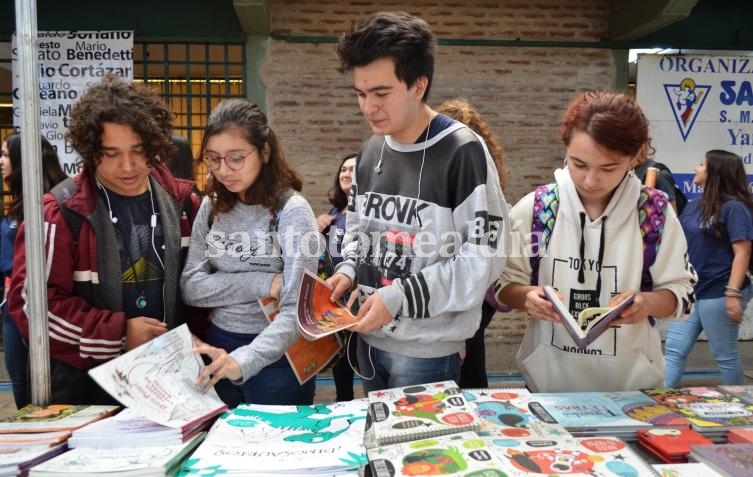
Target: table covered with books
point(427, 429)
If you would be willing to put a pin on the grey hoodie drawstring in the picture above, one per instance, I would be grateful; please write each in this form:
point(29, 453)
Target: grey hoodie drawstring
point(581, 271)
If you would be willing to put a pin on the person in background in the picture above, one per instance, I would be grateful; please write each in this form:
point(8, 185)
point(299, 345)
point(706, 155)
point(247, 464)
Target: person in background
point(718, 226)
point(595, 256)
point(663, 179)
point(234, 259)
point(182, 162)
point(116, 236)
point(473, 371)
point(427, 216)
point(332, 225)
point(14, 347)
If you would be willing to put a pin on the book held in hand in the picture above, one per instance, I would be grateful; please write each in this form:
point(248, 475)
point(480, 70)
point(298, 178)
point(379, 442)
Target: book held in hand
point(418, 412)
point(591, 322)
point(317, 315)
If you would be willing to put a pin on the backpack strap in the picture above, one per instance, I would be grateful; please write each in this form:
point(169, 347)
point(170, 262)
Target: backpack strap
point(546, 202)
point(274, 215)
point(652, 209)
point(73, 220)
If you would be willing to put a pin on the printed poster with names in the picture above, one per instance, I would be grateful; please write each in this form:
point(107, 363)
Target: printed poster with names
point(695, 103)
point(70, 61)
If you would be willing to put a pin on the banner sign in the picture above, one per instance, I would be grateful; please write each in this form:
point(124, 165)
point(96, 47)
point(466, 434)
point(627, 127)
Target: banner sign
point(69, 61)
point(696, 103)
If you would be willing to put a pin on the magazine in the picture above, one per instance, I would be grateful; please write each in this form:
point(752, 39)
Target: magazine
point(591, 322)
point(317, 315)
point(306, 357)
point(158, 380)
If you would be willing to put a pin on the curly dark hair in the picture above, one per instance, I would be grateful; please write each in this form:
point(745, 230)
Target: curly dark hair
point(52, 173)
point(336, 196)
point(406, 39)
point(462, 110)
point(613, 120)
point(115, 100)
point(277, 173)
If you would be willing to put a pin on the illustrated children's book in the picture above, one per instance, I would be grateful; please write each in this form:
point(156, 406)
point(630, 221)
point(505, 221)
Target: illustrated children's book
point(156, 461)
point(575, 456)
point(705, 407)
point(640, 407)
point(743, 391)
point(670, 445)
point(306, 357)
point(693, 469)
point(460, 454)
point(512, 412)
point(55, 417)
point(158, 380)
point(17, 461)
point(283, 440)
point(317, 315)
point(591, 322)
point(730, 460)
point(418, 412)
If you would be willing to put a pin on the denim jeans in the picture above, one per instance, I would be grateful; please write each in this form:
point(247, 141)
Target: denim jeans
point(709, 316)
point(383, 370)
point(16, 360)
point(275, 384)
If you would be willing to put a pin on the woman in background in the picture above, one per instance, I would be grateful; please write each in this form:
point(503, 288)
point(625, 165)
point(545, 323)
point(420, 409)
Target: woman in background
point(719, 228)
point(16, 352)
point(332, 226)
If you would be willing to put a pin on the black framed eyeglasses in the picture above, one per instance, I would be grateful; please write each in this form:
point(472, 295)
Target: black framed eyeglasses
point(234, 160)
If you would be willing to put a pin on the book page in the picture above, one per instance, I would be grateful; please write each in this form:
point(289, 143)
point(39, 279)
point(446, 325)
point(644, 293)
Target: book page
point(158, 380)
point(317, 315)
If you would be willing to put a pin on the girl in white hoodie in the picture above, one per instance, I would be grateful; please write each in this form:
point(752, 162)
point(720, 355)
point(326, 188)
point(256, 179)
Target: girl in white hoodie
point(595, 257)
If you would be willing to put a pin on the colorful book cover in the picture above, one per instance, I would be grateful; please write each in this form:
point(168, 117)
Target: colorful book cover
point(460, 454)
point(418, 412)
point(275, 440)
point(587, 411)
point(705, 407)
point(55, 417)
point(740, 435)
point(731, 460)
point(670, 445)
point(512, 412)
point(317, 315)
point(743, 391)
point(640, 407)
point(581, 456)
point(306, 357)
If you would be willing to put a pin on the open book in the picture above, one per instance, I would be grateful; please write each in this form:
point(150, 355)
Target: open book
point(317, 315)
point(591, 322)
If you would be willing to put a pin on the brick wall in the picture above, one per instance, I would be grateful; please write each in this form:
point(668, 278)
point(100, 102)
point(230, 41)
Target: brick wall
point(521, 90)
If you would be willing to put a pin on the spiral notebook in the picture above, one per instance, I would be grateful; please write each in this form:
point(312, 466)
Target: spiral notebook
point(417, 412)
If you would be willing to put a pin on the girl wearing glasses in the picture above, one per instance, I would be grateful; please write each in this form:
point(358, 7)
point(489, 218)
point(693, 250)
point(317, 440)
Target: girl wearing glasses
point(237, 257)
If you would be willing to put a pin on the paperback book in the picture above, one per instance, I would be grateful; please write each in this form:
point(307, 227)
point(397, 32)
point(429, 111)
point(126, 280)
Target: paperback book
point(692, 469)
point(707, 408)
point(149, 461)
point(17, 461)
point(158, 380)
point(738, 435)
point(283, 440)
point(591, 322)
point(460, 454)
point(730, 460)
point(640, 407)
point(306, 357)
point(743, 391)
point(55, 417)
point(50, 439)
point(670, 445)
point(417, 412)
point(317, 315)
point(512, 412)
point(584, 456)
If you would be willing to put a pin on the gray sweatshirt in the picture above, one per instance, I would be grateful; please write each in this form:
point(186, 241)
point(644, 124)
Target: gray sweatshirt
point(232, 265)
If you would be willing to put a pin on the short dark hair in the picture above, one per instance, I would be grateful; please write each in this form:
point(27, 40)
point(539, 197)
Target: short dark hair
point(336, 196)
point(406, 39)
point(277, 173)
point(116, 100)
point(52, 173)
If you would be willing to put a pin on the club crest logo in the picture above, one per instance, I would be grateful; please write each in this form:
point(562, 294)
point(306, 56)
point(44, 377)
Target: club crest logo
point(686, 100)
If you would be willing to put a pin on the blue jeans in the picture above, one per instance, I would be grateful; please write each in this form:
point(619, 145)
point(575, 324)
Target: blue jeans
point(275, 384)
point(383, 370)
point(710, 316)
point(16, 360)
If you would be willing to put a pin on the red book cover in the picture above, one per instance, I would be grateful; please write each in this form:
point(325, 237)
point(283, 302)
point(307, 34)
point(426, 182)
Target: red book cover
point(741, 435)
point(670, 445)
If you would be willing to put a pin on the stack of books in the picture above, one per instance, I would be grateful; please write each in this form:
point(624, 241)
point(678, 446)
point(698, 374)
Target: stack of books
point(729, 460)
point(670, 445)
point(740, 435)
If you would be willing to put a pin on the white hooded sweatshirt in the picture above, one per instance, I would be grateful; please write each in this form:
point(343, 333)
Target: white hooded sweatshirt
point(628, 357)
